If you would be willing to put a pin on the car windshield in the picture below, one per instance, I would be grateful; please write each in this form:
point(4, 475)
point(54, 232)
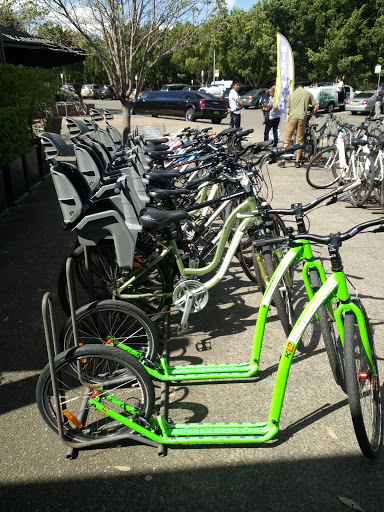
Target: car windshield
point(204, 96)
point(365, 95)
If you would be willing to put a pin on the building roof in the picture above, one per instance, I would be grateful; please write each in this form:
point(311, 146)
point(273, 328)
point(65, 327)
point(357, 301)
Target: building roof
point(22, 48)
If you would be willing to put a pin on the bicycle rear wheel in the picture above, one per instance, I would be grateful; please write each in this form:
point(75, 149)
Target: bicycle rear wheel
point(363, 388)
point(79, 371)
point(104, 273)
point(321, 171)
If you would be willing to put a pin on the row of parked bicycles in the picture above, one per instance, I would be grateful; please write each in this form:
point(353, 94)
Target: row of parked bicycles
point(152, 218)
point(341, 152)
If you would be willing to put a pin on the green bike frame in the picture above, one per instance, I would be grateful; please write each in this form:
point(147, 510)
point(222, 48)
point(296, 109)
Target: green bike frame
point(159, 430)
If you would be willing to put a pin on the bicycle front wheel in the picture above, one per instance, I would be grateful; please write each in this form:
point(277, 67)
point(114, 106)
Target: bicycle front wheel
point(79, 372)
point(282, 295)
point(363, 388)
point(364, 169)
point(310, 146)
point(112, 321)
point(331, 341)
point(321, 171)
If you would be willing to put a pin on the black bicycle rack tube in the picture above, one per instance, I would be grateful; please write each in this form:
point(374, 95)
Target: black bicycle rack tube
point(51, 338)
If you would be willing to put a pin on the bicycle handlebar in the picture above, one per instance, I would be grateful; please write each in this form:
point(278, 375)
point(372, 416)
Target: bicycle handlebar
point(323, 240)
point(312, 204)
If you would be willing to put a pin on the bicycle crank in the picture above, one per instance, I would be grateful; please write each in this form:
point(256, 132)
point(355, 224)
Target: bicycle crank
point(189, 296)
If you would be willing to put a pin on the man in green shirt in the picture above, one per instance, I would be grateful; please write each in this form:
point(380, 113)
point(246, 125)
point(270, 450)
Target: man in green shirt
point(297, 108)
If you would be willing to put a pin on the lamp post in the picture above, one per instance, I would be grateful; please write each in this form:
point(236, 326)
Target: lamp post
point(378, 70)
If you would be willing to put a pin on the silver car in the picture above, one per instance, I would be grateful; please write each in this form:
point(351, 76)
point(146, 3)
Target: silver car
point(364, 101)
point(253, 98)
point(90, 91)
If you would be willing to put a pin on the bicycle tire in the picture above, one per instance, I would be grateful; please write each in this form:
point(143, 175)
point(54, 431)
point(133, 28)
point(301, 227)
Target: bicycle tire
point(320, 171)
point(246, 253)
point(382, 195)
point(332, 342)
point(108, 367)
point(365, 170)
point(105, 272)
point(363, 389)
point(281, 299)
point(310, 146)
point(112, 320)
point(82, 109)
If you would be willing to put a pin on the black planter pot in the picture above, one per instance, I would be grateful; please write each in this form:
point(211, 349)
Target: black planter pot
point(14, 181)
point(3, 196)
point(31, 168)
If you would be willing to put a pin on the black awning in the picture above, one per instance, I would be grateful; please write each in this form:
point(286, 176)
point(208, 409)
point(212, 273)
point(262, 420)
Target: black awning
point(22, 48)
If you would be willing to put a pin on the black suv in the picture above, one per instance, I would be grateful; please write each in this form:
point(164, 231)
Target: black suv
point(106, 91)
point(191, 105)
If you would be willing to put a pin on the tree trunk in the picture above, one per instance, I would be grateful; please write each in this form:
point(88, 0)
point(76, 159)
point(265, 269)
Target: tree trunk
point(126, 122)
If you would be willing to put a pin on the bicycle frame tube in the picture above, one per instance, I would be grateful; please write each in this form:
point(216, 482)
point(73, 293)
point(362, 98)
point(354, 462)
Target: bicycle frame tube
point(248, 204)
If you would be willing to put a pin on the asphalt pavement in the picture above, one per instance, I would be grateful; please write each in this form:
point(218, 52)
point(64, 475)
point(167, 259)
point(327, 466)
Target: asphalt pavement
point(315, 458)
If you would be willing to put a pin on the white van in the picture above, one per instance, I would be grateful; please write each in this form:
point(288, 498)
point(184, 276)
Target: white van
point(217, 88)
point(328, 97)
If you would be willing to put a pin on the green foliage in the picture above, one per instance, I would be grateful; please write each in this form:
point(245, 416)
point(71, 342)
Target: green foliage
point(27, 87)
point(14, 140)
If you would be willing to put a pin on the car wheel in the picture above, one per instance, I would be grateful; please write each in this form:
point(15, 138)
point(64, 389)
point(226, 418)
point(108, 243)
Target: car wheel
point(331, 107)
point(155, 115)
point(216, 120)
point(245, 106)
point(190, 115)
point(353, 113)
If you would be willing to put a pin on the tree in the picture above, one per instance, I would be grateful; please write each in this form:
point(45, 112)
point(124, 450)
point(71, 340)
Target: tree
point(129, 36)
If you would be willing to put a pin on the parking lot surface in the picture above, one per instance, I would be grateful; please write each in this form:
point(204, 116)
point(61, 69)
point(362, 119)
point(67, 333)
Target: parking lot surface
point(313, 460)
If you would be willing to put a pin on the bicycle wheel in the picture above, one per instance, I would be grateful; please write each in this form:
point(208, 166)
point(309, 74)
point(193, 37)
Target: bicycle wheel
point(104, 274)
point(112, 320)
point(250, 256)
point(382, 195)
point(331, 341)
point(82, 108)
point(79, 371)
point(310, 146)
point(321, 171)
point(365, 170)
point(363, 388)
point(281, 297)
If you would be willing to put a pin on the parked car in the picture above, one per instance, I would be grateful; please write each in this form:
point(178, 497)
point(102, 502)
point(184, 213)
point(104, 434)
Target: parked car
point(362, 102)
point(191, 105)
point(191, 88)
point(90, 91)
point(253, 98)
point(106, 92)
point(328, 96)
point(173, 87)
point(76, 88)
point(242, 90)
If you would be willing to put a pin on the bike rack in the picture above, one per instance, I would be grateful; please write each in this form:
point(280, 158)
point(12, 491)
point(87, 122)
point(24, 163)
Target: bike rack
point(51, 338)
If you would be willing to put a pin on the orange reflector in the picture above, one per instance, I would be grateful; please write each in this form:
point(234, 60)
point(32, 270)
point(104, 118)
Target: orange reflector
point(72, 418)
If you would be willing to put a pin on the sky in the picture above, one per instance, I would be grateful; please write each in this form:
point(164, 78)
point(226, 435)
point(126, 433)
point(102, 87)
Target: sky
point(240, 4)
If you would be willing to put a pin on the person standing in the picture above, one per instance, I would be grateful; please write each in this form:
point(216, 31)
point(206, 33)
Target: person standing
point(298, 103)
point(379, 101)
point(273, 118)
point(235, 104)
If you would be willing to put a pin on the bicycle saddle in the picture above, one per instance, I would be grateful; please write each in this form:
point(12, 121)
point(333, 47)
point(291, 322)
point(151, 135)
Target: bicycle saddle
point(160, 193)
point(156, 220)
point(359, 142)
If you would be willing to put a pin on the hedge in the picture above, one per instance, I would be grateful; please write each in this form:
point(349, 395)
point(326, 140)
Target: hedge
point(15, 136)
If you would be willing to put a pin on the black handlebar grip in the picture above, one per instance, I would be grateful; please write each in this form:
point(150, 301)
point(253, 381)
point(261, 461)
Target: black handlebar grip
point(270, 241)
